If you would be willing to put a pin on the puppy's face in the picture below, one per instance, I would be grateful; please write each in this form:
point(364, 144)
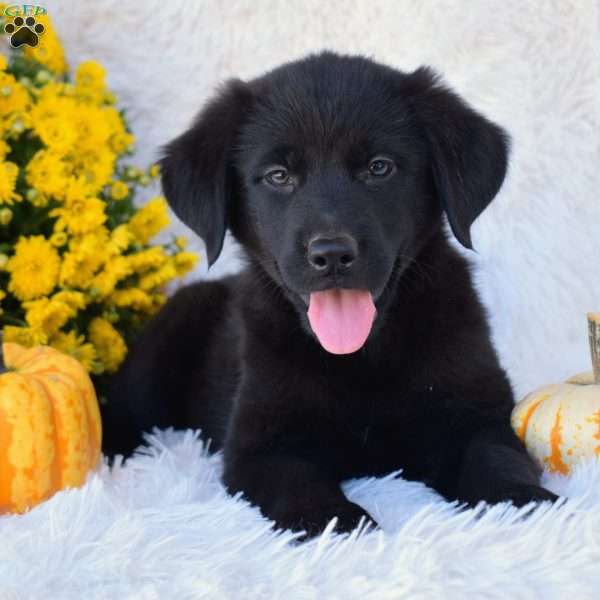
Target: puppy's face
point(333, 172)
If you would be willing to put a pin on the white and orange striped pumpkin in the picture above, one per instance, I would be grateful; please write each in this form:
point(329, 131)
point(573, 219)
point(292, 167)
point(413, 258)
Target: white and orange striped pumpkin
point(50, 431)
point(560, 424)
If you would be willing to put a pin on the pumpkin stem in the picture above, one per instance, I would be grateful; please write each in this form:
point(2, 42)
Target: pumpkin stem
point(594, 331)
point(3, 367)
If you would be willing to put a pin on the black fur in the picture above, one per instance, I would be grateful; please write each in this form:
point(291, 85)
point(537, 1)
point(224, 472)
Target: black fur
point(237, 357)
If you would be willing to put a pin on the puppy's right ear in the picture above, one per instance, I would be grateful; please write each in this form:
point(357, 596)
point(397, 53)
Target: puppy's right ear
point(196, 167)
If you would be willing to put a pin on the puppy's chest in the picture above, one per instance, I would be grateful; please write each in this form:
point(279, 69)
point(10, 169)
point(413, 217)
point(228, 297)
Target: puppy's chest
point(380, 422)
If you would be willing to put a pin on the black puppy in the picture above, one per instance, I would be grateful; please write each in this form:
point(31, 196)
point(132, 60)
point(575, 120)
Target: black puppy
point(353, 342)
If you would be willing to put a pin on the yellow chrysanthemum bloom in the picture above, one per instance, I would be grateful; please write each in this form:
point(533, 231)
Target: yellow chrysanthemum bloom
point(75, 345)
point(120, 239)
point(47, 315)
point(96, 165)
point(84, 258)
point(25, 336)
point(3, 62)
point(76, 300)
point(8, 180)
point(184, 262)
point(109, 344)
point(79, 214)
point(119, 190)
point(59, 135)
point(95, 125)
point(49, 52)
point(51, 119)
point(90, 75)
point(14, 98)
point(149, 220)
point(114, 271)
point(48, 174)
point(131, 298)
point(34, 268)
point(151, 258)
point(158, 278)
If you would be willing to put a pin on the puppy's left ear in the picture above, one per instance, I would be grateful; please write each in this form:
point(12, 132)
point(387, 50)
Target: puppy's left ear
point(469, 153)
point(197, 171)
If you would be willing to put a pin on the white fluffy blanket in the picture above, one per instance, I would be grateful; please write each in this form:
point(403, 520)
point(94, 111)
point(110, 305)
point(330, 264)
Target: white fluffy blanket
point(162, 526)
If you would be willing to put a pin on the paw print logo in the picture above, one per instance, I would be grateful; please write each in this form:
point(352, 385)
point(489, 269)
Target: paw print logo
point(24, 31)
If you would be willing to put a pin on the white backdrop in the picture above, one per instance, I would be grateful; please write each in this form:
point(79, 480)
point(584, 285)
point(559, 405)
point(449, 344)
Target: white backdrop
point(534, 67)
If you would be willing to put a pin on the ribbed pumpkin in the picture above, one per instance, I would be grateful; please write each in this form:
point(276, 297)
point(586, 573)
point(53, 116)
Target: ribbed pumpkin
point(50, 431)
point(560, 424)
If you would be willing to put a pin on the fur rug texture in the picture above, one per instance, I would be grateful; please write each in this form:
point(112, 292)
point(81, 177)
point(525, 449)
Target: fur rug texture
point(163, 527)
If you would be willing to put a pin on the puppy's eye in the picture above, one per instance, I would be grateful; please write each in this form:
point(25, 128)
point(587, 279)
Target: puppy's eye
point(381, 167)
point(278, 177)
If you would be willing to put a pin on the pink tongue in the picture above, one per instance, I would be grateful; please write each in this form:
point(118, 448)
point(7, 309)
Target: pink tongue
point(341, 319)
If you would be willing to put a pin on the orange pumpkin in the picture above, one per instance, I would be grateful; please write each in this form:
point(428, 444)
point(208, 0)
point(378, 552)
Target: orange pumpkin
point(50, 431)
point(560, 424)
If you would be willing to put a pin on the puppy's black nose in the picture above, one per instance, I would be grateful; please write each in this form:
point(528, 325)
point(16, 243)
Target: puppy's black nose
point(330, 253)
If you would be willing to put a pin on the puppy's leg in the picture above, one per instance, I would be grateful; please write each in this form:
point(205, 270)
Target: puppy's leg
point(496, 467)
point(162, 382)
point(294, 492)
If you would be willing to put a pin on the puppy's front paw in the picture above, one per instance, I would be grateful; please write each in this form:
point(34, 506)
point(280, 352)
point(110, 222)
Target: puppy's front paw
point(348, 518)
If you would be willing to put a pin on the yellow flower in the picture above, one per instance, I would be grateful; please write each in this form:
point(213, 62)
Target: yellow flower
point(58, 134)
point(158, 278)
point(109, 344)
point(114, 270)
point(8, 179)
point(74, 345)
point(3, 62)
point(34, 268)
point(25, 336)
point(119, 190)
point(151, 258)
point(120, 239)
point(84, 258)
point(184, 262)
point(49, 51)
point(149, 220)
point(14, 97)
point(94, 124)
point(90, 75)
point(154, 171)
point(131, 298)
point(79, 213)
point(47, 315)
point(96, 165)
point(181, 242)
point(48, 174)
point(76, 300)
